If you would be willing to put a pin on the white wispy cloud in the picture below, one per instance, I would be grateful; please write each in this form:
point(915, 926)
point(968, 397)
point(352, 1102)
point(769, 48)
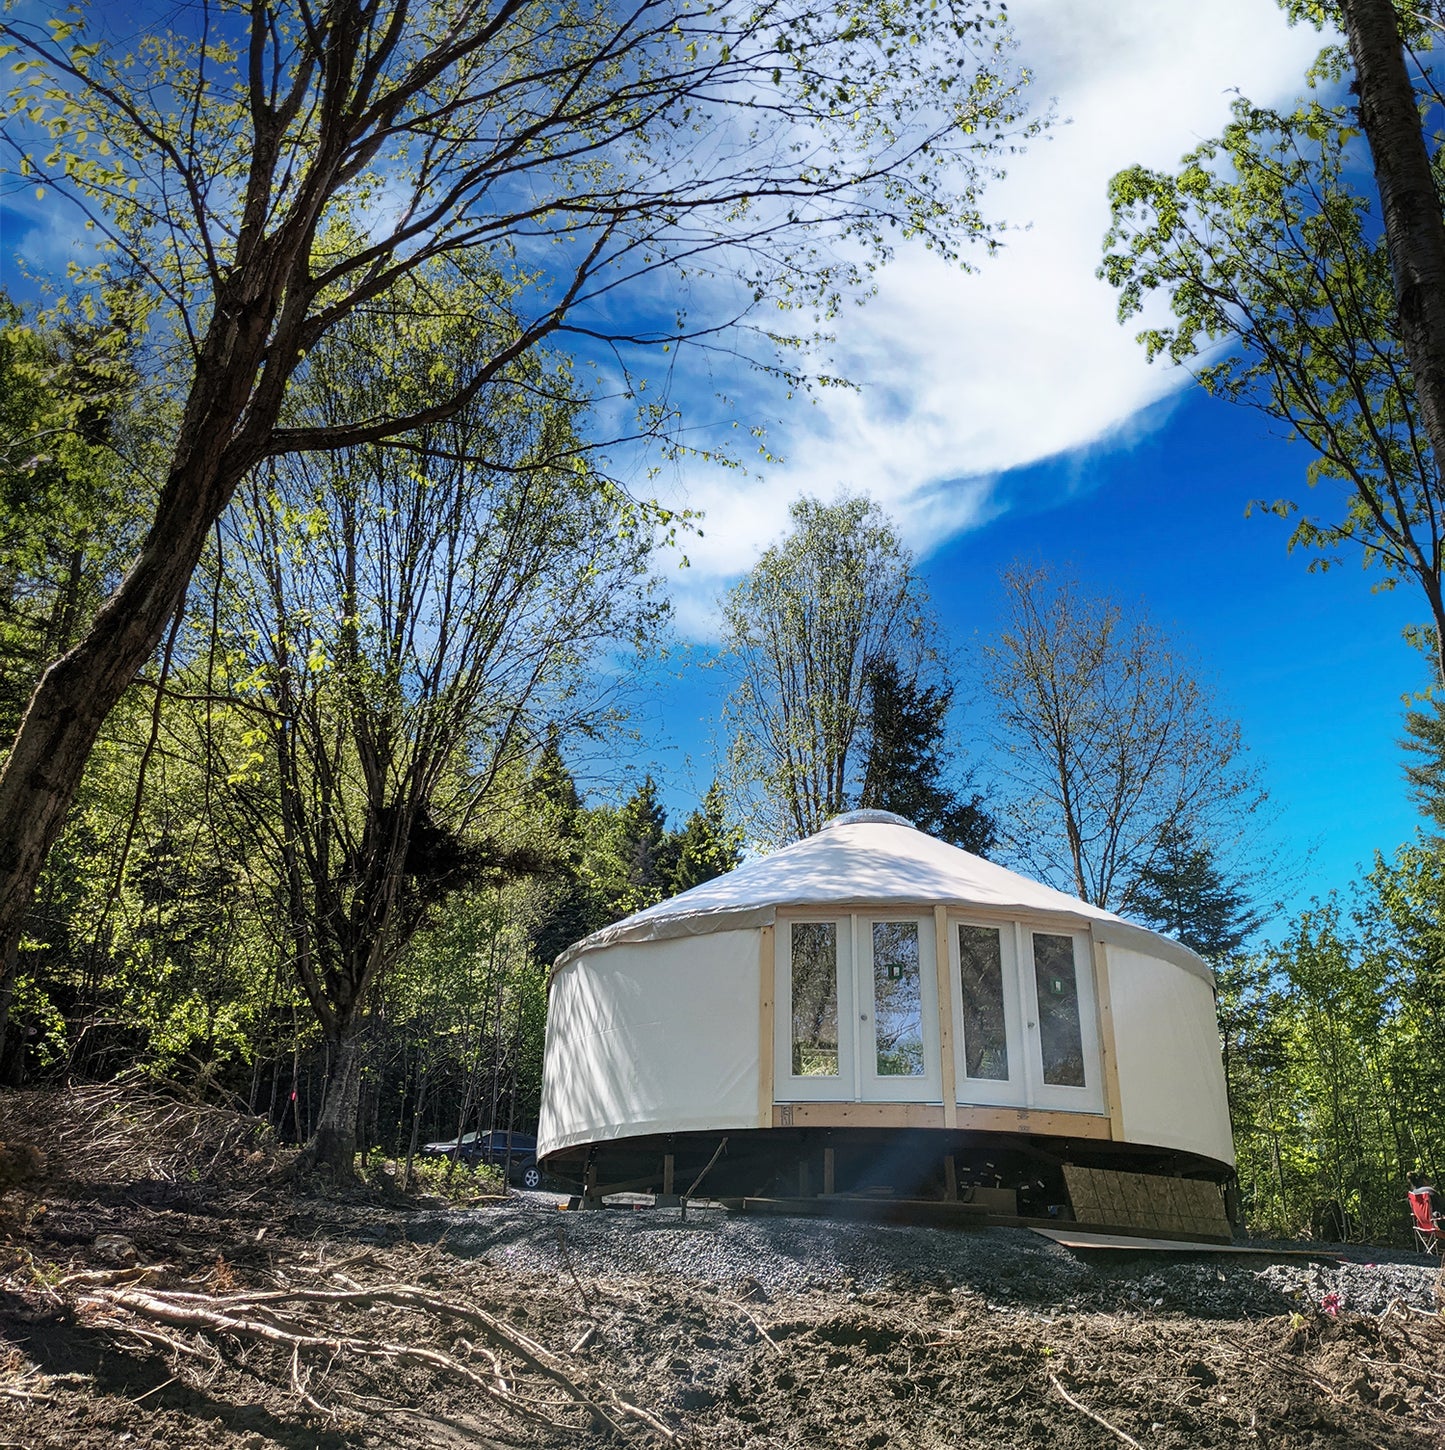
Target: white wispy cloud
point(963, 376)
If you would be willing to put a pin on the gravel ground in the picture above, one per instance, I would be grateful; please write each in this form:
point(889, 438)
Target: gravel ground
point(718, 1333)
point(405, 1325)
point(1008, 1268)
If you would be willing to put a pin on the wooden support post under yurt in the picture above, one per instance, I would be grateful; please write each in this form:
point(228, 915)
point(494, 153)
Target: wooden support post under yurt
point(873, 1017)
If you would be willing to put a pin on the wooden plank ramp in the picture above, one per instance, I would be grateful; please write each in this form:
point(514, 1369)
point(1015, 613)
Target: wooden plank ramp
point(1083, 1239)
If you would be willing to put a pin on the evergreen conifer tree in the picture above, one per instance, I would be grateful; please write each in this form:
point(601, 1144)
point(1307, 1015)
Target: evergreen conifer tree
point(566, 908)
point(1184, 894)
point(644, 852)
point(907, 757)
point(707, 846)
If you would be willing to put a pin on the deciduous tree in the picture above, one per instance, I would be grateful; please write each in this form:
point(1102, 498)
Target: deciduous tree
point(1108, 745)
point(401, 619)
point(1331, 301)
point(1405, 177)
point(69, 504)
point(802, 627)
point(1334, 1041)
point(272, 167)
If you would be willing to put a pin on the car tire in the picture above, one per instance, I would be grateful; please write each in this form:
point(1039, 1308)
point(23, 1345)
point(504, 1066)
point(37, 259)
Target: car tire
point(531, 1176)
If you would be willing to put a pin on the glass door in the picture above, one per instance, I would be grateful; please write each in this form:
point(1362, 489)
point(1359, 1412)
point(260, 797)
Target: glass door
point(896, 994)
point(813, 1058)
point(856, 1015)
point(988, 1051)
point(1026, 1030)
point(1062, 1023)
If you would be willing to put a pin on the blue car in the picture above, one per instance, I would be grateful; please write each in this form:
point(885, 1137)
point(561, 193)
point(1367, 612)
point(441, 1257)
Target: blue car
point(495, 1147)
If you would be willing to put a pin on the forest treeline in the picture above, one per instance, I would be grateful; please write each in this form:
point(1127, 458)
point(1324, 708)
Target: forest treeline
point(307, 729)
point(1334, 1054)
point(313, 575)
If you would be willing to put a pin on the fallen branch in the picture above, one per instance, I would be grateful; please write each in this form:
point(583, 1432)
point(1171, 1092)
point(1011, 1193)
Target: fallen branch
point(301, 1385)
point(193, 1316)
point(19, 1392)
point(158, 1340)
point(752, 1319)
point(97, 1278)
point(1405, 1309)
point(1097, 1419)
point(645, 1416)
point(535, 1356)
point(154, 1390)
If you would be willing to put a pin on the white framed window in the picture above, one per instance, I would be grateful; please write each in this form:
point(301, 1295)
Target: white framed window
point(813, 1057)
point(1025, 1021)
point(896, 997)
point(1063, 1062)
point(856, 1016)
point(857, 1008)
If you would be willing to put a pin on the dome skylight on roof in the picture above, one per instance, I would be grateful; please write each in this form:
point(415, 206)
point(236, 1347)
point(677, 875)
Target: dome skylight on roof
point(868, 818)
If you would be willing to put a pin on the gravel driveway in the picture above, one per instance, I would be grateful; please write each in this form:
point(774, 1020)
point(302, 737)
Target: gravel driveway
point(1009, 1267)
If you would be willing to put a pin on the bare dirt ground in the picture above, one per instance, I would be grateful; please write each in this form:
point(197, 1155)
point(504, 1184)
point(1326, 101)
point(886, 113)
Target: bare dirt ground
point(158, 1288)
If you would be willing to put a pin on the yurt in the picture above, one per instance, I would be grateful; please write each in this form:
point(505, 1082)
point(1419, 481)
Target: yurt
point(871, 1015)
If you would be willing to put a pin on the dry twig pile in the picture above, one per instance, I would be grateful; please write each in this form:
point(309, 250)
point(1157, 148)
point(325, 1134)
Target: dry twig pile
point(125, 1131)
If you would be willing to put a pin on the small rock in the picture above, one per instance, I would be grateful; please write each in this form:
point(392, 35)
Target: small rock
point(116, 1248)
point(750, 1291)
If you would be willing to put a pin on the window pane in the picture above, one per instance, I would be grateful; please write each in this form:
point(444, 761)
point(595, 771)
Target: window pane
point(815, 999)
point(1060, 1038)
point(897, 999)
point(985, 1042)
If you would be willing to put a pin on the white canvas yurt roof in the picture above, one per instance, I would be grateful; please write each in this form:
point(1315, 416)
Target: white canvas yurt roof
point(874, 857)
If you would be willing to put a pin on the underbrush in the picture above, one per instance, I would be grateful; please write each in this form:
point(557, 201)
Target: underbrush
point(128, 1130)
point(442, 1178)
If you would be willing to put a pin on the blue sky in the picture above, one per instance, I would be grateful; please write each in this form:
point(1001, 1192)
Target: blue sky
point(1312, 665)
point(1007, 414)
point(1003, 413)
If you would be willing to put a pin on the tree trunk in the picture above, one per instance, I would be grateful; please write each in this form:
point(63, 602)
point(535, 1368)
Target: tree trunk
point(333, 1145)
point(74, 696)
point(423, 1078)
point(236, 392)
point(7, 989)
point(1409, 204)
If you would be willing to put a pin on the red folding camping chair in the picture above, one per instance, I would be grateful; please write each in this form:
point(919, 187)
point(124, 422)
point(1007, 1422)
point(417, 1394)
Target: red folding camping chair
point(1429, 1221)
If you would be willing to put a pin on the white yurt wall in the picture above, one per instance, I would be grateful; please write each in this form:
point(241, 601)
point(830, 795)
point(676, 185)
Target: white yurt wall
point(670, 1023)
point(653, 1037)
point(1171, 1077)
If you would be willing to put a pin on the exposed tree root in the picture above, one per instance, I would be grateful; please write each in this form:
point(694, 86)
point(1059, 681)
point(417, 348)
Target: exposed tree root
point(514, 1363)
